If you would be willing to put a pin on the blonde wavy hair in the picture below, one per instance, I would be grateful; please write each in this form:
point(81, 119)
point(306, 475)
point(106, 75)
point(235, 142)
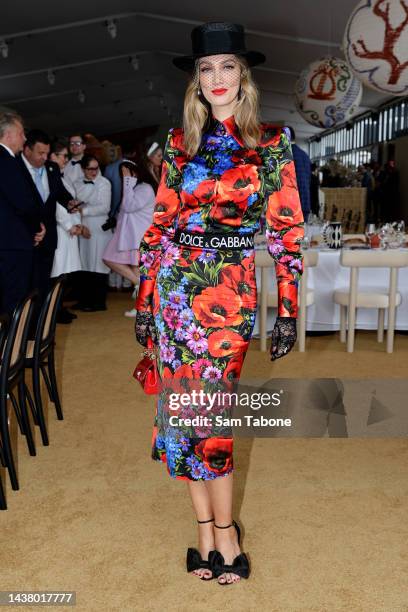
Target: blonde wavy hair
point(197, 111)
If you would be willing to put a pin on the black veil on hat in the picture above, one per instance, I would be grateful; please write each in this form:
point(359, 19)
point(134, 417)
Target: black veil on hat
point(218, 38)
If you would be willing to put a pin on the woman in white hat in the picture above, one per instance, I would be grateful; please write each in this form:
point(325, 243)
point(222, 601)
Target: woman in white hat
point(198, 297)
point(154, 156)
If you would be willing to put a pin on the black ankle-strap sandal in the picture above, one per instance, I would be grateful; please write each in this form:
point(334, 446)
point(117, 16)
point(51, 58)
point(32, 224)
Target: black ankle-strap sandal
point(240, 564)
point(194, 559)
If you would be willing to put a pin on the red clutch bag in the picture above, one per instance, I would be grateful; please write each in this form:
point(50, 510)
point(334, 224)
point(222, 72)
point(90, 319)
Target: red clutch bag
point(146, 370)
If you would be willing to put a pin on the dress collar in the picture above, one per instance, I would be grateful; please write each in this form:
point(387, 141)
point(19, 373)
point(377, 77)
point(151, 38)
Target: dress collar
point(228, 126)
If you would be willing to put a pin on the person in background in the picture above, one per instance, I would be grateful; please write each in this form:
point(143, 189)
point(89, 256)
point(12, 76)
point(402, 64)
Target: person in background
point(21, 229)
point(303, 168)
point(113, 175)
point(66, 258)
point(94, 191)
point(77, 146)
point(135, 216)
point(154, 156)
point(44, 178)
point(314, 190)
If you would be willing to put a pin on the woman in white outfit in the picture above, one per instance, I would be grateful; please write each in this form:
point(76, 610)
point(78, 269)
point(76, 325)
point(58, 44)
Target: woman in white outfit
point(135, 216)
point(95, 192)
point(66, 258)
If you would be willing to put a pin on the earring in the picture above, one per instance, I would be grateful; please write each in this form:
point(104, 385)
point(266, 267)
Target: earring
point(198, 91)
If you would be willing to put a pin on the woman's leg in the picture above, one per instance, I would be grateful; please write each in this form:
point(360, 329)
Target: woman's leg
point(226, 540)
point(124, 270)
point(202, 507)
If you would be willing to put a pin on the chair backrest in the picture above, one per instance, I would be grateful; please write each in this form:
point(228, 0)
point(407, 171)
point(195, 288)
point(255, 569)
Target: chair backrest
point(374, 258)
point(16, 341)
point(4, 322)
point(47, 320)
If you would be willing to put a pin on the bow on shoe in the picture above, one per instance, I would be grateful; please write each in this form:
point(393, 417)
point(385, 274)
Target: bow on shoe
point(195, 561)
point(240, 565)
point(283, 336)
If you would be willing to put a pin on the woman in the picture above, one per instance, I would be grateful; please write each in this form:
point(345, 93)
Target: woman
point(198, 302)
point(154, 156)
point(135, 216)
point(95, 191)
point(66, 258)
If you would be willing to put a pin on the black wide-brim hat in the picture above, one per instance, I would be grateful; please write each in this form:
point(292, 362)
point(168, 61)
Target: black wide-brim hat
point(218, 38)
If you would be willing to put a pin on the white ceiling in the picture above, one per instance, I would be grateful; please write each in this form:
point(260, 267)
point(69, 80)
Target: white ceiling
point(50, 34)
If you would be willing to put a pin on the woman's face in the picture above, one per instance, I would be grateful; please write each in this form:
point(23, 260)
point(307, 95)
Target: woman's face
point(61, 158)
point(157, 157)
point(91, 170)
point(220, 78)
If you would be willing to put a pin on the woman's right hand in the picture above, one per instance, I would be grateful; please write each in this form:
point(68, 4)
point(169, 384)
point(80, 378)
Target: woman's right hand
point(126, 172)
point(145, 328)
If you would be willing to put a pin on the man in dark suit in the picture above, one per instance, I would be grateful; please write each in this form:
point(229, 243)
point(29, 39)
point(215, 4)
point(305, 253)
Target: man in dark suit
point(21, 230)
point(44, 179)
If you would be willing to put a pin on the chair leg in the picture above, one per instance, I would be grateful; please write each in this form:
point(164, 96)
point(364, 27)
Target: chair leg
point(343, 323)
point(6, 441)
point(25, 419)
point(38, 404)
point(17, 412)
point(380, 326)
point(31, 404)
point(3, 503)
point(54, 386)
point(351, 329)
point(390, 330)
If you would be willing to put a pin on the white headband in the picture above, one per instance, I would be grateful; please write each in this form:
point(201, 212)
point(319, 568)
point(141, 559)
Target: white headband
point(152, 148)
point(129, 161)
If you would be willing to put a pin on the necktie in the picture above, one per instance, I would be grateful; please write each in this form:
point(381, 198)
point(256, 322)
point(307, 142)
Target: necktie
point(38, 172)
point(89, 183)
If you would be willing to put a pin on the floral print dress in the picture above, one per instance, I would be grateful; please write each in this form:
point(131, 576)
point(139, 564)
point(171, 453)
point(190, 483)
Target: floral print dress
point(204, 300)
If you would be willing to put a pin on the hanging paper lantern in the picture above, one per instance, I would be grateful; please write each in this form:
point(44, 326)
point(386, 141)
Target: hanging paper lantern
point(376, 44)
point(327, 93)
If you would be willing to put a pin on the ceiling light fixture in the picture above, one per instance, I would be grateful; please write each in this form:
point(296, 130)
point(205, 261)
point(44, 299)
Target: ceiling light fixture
point(161, 101)
point(81, 96)
point(4, 48)
point(135, 62)
point(51, 77)
point(150, 85)
point(169, 112)
point(112, 28)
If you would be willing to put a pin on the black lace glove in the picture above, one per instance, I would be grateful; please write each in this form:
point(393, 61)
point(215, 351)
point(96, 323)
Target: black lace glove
point(283, 336)
point(145, 328)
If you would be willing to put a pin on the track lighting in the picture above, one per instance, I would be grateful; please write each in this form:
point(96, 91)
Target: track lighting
point(51, 77)
point(81, 96)
point(112, 28)
point(4, 48)
point(135, 62)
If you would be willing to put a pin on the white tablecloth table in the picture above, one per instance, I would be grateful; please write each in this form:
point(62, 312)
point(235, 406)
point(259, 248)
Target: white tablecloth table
point(329, 275)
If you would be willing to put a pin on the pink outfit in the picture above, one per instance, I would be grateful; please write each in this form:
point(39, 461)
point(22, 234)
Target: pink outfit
point(135, 216)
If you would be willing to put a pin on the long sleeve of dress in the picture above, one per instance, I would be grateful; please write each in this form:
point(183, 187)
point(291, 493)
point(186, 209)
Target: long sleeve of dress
point(284, 221)
point(162, 229)
point(97, 200)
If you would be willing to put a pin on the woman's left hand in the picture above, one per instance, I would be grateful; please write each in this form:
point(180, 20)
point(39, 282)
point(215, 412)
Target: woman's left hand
point(283, 337)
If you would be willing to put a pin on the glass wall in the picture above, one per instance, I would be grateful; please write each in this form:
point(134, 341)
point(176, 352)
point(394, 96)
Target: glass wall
point(354, 142)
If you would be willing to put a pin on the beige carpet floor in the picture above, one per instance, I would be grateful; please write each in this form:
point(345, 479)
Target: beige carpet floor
point(325, 520)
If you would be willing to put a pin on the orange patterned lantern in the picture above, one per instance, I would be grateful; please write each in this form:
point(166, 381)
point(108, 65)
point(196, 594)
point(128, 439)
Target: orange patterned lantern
point(376, 44)
point(327, 93)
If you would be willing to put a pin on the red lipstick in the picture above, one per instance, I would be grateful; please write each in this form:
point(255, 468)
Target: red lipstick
point(218, 92)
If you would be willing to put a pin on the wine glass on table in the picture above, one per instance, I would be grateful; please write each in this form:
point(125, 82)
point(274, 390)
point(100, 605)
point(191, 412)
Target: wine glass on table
point(370, 232)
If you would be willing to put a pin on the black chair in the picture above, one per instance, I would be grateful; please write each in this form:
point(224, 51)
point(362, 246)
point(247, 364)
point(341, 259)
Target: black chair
point(4, 320)
point(40, 358)
point(12, 376)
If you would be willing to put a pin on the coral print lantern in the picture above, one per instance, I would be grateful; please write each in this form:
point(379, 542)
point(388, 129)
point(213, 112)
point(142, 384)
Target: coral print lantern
point(327, 93)
point(376, 44)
